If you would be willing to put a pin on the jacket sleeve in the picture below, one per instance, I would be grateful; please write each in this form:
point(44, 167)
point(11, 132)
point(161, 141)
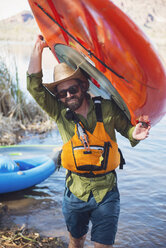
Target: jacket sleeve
point(42, 96)
point(115, 119)
point(124, 126)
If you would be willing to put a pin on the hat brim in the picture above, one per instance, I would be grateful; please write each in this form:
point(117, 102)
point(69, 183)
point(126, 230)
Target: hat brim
point(106, 89)
point(76, 75)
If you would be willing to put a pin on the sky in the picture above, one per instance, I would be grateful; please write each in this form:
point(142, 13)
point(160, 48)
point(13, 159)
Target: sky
point(11, 7)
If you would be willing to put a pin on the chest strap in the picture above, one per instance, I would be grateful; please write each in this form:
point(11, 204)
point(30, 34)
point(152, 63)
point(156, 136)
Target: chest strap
point(97, 101)
point(98, 110)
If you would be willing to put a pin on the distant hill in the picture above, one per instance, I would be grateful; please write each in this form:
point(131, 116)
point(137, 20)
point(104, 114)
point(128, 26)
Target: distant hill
point(22, 17)
point(20, 27)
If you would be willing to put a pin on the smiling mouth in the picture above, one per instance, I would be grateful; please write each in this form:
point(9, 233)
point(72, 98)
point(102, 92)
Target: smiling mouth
point(71, 99)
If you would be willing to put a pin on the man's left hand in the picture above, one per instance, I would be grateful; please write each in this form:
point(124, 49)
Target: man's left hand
point(142, 128)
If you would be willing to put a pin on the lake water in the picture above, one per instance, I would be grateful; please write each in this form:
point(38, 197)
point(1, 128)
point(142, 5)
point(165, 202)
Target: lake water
point(142, 186)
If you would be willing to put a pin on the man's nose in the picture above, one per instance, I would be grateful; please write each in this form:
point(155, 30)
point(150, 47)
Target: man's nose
point(68, 94)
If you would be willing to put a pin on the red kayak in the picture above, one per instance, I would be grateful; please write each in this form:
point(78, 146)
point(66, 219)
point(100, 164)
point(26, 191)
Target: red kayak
point(106, 43)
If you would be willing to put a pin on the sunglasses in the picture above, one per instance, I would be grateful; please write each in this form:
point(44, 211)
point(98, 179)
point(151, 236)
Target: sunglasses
point(72, 90)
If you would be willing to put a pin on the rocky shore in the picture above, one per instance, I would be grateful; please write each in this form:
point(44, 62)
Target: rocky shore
point(12, 235)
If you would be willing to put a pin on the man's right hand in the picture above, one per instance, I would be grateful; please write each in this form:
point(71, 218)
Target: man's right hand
point(35, 64)
point(40, 43)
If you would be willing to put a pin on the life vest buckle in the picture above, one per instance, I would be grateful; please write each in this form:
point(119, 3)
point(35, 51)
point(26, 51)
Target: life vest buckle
point(82, 135)
point(87, 152)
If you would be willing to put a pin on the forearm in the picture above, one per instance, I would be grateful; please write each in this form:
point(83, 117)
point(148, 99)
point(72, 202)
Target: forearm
point(125, 128)
point(35, 64)
point(132, 140)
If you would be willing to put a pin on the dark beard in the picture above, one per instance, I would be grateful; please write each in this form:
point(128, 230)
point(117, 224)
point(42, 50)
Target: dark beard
point(74, 105)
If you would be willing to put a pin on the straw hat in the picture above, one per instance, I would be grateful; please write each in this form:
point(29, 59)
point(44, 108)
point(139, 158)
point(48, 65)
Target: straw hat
point(62, 73)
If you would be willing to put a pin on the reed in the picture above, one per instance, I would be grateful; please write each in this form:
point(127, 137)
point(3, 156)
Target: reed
point(13, 102)
point(18, 117)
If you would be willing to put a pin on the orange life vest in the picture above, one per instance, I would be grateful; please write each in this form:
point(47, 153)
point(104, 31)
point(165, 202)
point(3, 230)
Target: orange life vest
point(91, 154)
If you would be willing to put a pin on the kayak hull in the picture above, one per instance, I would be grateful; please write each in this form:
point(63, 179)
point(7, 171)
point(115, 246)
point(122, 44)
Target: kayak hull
point(116, 47)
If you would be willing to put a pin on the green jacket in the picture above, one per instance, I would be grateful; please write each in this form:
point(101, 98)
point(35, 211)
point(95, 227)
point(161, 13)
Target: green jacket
point(113, 119)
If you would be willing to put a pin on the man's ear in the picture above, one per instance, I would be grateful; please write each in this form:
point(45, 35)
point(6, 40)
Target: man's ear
point(85, 85)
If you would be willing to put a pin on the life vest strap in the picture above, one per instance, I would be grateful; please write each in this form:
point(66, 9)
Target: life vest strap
point(99, 117)
point(122, 160)
point(98, 110)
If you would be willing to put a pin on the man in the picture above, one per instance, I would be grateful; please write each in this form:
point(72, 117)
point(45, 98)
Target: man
point(91, 192)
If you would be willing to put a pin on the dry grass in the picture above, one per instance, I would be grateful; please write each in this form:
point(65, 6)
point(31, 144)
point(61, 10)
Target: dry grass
point(18, 117)
point(26, 238)
point(13, 131)
point(12, 235)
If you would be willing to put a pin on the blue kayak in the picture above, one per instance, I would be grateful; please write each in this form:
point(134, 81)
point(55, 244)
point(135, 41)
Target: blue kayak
point(19, 174)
